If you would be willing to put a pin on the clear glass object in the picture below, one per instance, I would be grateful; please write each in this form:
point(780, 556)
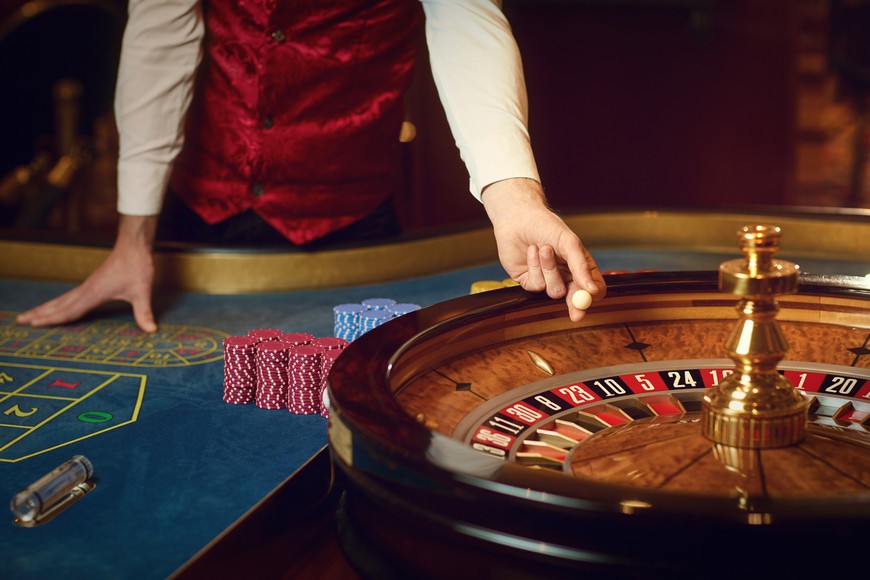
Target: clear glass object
point(55, 486)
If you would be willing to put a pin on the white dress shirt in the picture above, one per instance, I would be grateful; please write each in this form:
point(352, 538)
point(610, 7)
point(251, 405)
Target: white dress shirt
point(475, 63)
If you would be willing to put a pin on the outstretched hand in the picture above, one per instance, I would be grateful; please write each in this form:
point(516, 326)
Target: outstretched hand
point(127, 274)
point(535, 246)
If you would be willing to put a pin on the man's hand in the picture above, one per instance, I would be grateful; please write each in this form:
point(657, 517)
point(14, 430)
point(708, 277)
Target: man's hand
point(127, 274)
point(536, 248)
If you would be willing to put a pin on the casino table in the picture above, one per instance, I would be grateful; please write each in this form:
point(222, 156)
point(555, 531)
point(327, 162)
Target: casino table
point(186, 485)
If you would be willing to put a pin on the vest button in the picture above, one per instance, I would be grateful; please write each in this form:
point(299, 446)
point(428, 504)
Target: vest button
point(267, 123)
point(279, 36)
point(258, 189)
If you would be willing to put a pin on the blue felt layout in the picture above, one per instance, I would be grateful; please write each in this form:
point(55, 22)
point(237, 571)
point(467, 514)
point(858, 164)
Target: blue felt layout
point(189, 465)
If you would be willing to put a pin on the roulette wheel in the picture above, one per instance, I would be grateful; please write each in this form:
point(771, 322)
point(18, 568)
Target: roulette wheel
point(678, 431)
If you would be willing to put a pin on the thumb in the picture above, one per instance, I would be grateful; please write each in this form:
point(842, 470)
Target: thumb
point(143, 315)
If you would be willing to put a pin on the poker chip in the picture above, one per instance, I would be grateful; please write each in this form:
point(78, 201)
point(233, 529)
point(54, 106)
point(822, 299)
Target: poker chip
point(327, 358)
point(378, 303)
point(370, 319)
point(275, 369)
point(240, 374)
point(265, 334)
point(352, 320)
point(297, 338)
point(273, 381)
point(330, 343)
point(404, 308)
point(304, 378)
point(347, 324)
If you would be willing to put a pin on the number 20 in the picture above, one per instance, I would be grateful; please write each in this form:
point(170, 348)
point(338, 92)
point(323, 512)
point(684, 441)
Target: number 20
point(841, 385)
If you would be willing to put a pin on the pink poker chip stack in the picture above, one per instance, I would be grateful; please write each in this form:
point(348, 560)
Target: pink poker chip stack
point(265, 334)
point(330, 343)
point(326, 359)
point(280, 370)
point(303, 396)
point(240, 369)
point(297, 338)
point(272, 374)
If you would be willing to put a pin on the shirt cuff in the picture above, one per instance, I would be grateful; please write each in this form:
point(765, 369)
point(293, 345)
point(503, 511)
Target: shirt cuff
point(141, 187)
point(499, 157)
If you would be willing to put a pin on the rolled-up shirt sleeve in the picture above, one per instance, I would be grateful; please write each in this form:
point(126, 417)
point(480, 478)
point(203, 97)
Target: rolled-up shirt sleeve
point(160, 52)
point(478, 72)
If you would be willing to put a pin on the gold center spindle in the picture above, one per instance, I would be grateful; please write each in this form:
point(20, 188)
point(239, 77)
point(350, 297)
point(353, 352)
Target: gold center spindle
point(756, 407)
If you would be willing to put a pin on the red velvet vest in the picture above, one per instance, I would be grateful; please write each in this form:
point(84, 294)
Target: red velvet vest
point(297, 111)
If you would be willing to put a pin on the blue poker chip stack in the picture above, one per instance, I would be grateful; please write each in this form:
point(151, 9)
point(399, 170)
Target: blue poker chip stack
point(347, 323)
point(378, 303)
point(376, 313)
point(404, 308)
point(352, 320)
point(369, 319)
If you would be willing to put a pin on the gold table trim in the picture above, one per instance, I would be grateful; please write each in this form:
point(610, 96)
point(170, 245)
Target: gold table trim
point(231, 272)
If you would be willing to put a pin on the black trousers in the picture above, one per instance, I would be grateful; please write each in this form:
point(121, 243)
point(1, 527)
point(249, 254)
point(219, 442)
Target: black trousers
point(178, 223)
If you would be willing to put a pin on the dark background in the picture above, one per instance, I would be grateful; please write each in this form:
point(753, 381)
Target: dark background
point(633, 104)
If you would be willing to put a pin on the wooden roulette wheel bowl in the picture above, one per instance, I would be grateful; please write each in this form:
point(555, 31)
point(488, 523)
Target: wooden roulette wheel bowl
point(490, 436)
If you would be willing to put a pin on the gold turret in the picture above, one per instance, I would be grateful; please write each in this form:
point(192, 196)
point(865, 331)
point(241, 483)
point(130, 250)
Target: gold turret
point(756, 407)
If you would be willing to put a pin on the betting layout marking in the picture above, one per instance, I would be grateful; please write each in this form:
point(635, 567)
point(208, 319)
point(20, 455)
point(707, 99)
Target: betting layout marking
point(61, 406)
point(111, 342)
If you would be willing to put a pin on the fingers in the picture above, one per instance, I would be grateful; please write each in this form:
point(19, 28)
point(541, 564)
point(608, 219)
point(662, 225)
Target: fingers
point(585, 275)
point(543, 273)
point(75, 304)
point(40, 316)
point(596, 284)
point(61, 310)
point(144, 316)
point(581, 264)
point(550, 269)
point(114, 280)
point(534, 279)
